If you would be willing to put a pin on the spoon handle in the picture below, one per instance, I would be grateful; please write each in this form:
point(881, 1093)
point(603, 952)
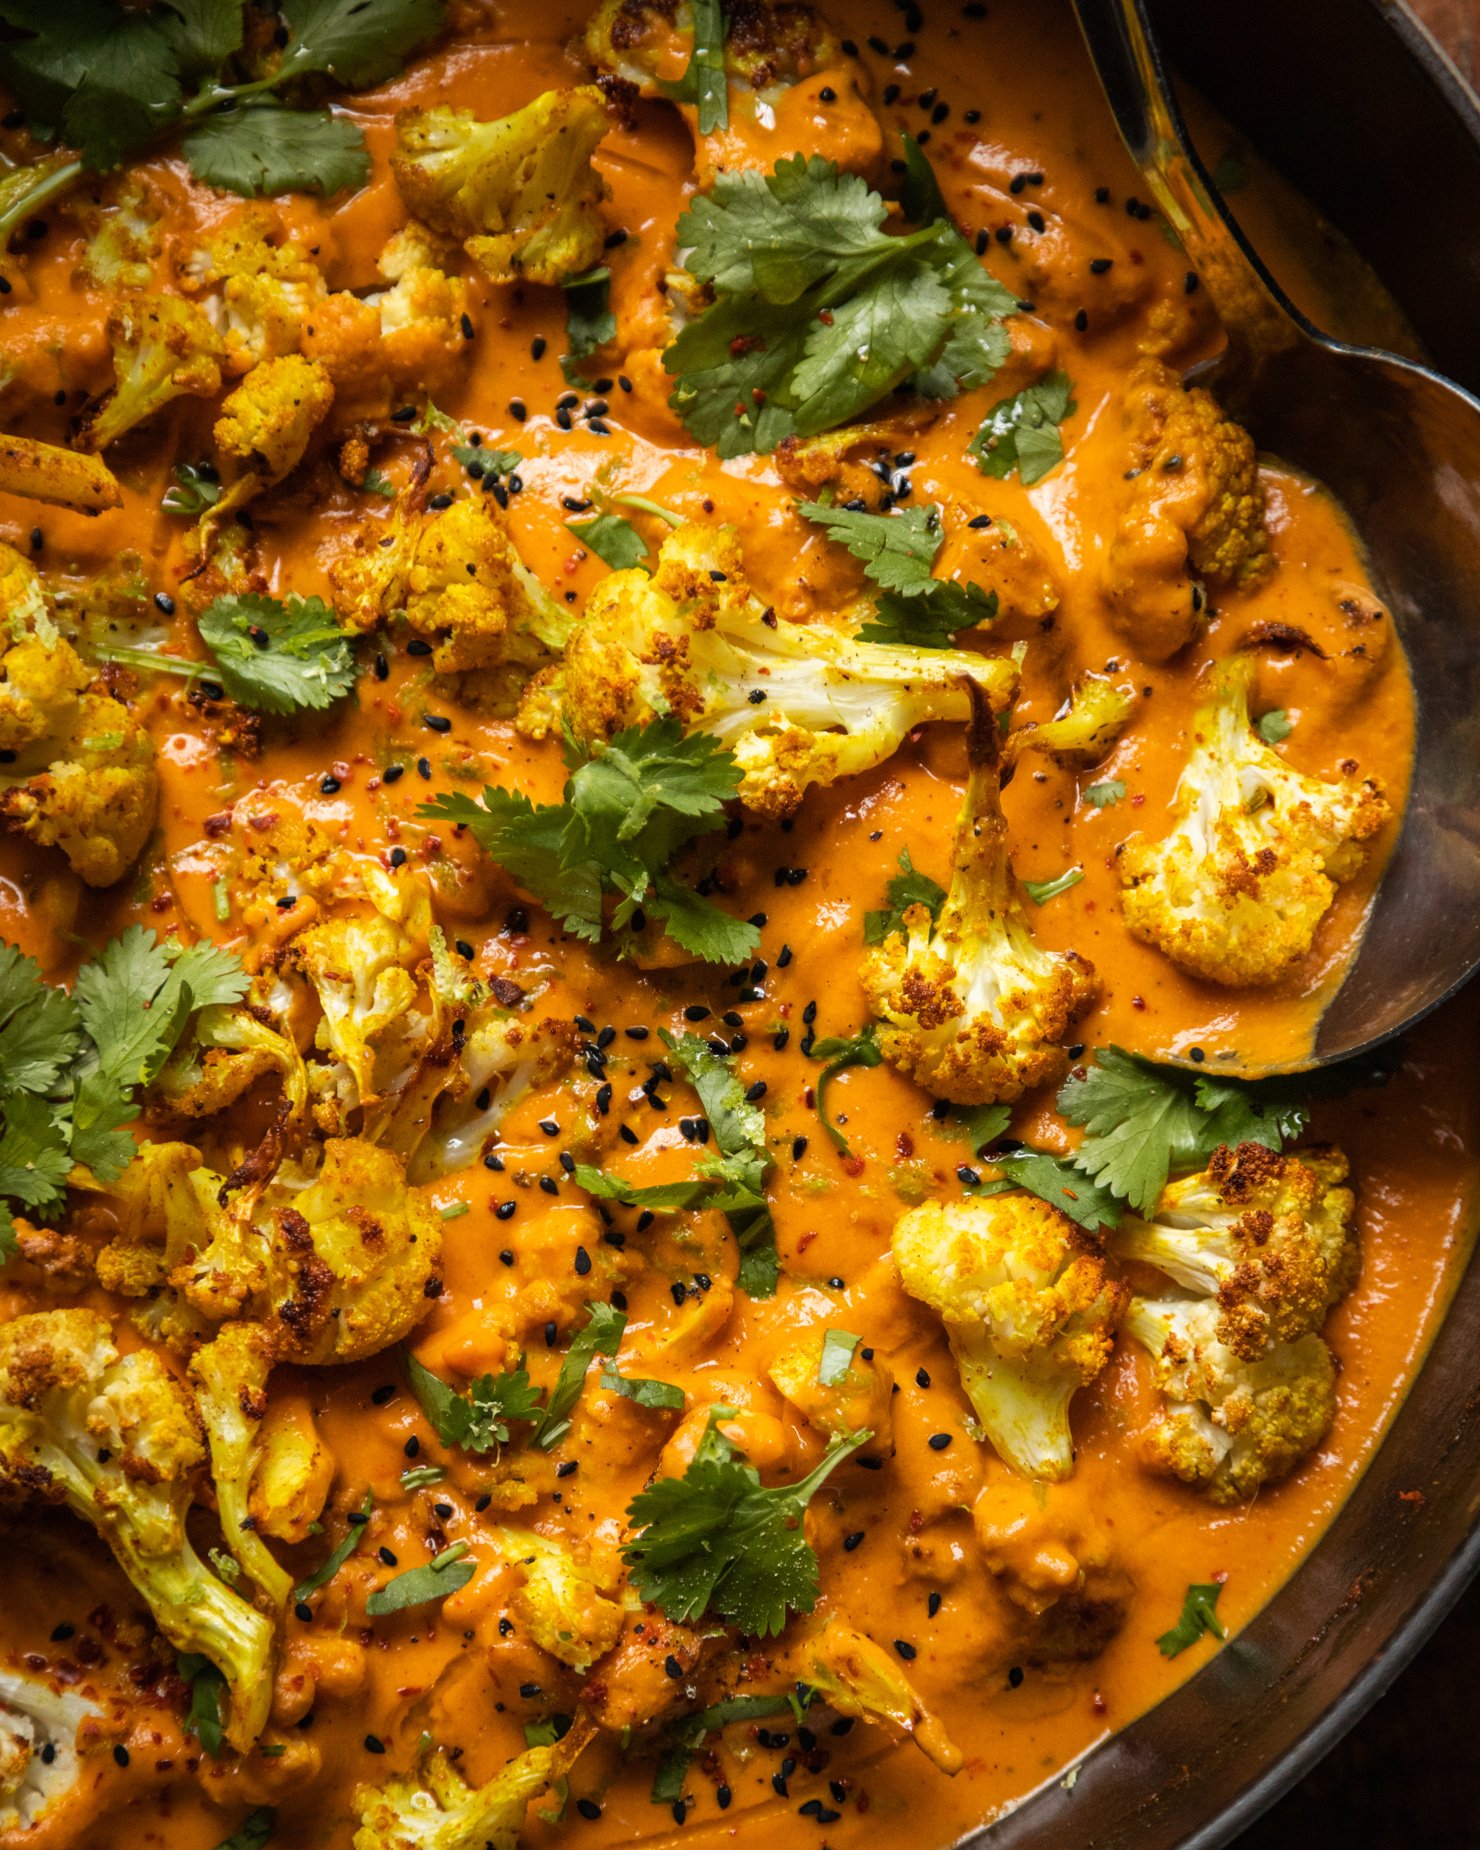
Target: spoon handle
point(1253, 309)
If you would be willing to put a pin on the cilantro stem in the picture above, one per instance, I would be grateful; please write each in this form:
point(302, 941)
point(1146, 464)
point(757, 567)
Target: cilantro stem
point(45, 189)
point(147, 659)
point(645, 505)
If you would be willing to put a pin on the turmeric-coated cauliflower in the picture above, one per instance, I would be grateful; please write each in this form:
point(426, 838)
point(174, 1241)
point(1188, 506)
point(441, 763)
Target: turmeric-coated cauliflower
point(434, 1808)
point(1231, 1426)
point(44, 1734)
point(1272, 1238)
point(261, 290)
point(78, 769)
point(1196, 512)
point(562, 1602)
point(1030, 1310)
point(455, 578)
point(797, 705)
point(163, 348)
point(969, 1004)
point(520, 192)
point(117, 1439)
point(857, 1677)
point(838, 1393)
point(266, 423)
point(1236, 891)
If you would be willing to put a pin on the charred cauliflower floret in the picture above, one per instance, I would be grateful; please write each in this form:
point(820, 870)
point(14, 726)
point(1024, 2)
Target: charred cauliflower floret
point(562, 1602)
point(1236, 891)
point(44, 1734)
point(1030, 1310)
point(435, 1808)
point(519, 192)
point(1195, 515)
point(1271, 1238)
point(164, 348)
point(797, 705)
point(228, 1052)
point(79, 772)
point(117, 1439)
point(266, 423)
point(261, 290)
point(857, 1677)
point(1092, 719)
point(458, 583)
point(970, 1005)
point(1230, 1426)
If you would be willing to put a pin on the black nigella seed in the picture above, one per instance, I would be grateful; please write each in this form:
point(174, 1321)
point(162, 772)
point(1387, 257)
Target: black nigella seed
point(589, 1809)
point(938, 1441)
point(438, 722)
point(374, 1744)
point(551, 1333)
point(417, 647)
point(398, 857)
point(922, 1378)
point(549, 1127)
point(755, 1093)
point(120, 1754)
point(383, 1395)
point(583, 1261)
point(549, 1185)
point(329, 787)
point(1014, 1678)
point(412, 1446)
point(517, 410)
point(850, 1542)
point(164, 603)
point(1099, 265)
point(382, 668)
point(505, 1210)
point(905, 1649)
point(303, 1611)
point(798, 1148)
point(61, 1633)
point(722, 1797)
point(439, 504)
point(424, 768)
point(537, 347)
point(1081, 321)
point(932, 1605)
point(566, 1468)
point(387, 1556)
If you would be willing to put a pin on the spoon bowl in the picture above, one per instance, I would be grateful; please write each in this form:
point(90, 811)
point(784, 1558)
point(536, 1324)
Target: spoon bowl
point(1399, 448)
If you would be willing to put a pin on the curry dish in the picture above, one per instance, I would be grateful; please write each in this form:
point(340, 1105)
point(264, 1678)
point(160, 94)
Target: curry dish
point(636, 702)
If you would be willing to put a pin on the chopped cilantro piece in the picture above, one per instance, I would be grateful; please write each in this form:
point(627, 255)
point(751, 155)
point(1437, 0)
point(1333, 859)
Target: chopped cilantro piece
point(1041, 891)
point(660, 1396)
point(1199, 1617)
point(840, 1052)
point(907, 888)
point(704, 83)
point(837, 1357)
point(325, 1572)
point(419, 1586)
point(1275, 726)
point(616, 542)
point(600, 1335)
point(1103, 795)
point(1022, 432)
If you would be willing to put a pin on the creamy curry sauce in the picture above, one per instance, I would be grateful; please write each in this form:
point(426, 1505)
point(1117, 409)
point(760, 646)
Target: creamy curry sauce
point(456, 1672)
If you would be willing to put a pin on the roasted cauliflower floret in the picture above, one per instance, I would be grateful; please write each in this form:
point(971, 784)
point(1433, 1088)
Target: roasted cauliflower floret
point(1196, 512)
point(266, 423)
point(117, 1439)
point(857, 1677)
point(1092, 719)
point(1236, 891)
point(261, 290)
point(562, 1602)
point(857, 1398)
point(229, 1051)
point(80, 775)
point(1272, 1238)
point(1030, 1310)
point(120, 218)
point(229, 1376)
point(164, 348)
point(377, 1017)
point(43, 1735)
point(458, 583)
point(435, 1808)
point(797, 705)
point(970, 1005)
point(519, 192)
point(1231, 1426)
point(408, 337)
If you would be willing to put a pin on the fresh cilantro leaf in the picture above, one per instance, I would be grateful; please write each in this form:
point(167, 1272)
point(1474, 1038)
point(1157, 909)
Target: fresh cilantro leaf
point(600, 1335)
point(484, 464)
point(478, 1421)
point(377, 482)
point(102, 79)
point(661, 1396)
point(196, 488)
point(278, 657)
point(325, 1572)
point(837, 1357)
point(979, 1125)
point(35, 1158)
point(135, 997)
point(1022, 432)
point(1058, 1182)
point(704, 83)
point(616, 542)
point(896, 550)
point(203, 34)
point(919, 191)
point(419, 1586)
point(1274, 726)
point(714, 1541)
point(204, 1718)
point(1103, 795)
point(738, 1123)
point(1143, 1122)
point(907, 888)
point(933, 620)
point(1041, 891)
point(270, 148)
point(819, 312)
point(356, 42)
point(1199, 1617)
point(589, 321)
point(625, 815)
point(840, 1052)
point(254, 1831)
point(39, 1026)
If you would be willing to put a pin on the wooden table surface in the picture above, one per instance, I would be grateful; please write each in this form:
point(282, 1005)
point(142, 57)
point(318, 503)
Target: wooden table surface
point(1404, 1778)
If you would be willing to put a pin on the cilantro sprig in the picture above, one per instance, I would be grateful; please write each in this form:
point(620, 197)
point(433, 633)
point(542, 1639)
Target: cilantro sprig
point(71, 1066)
point(714, 1541)
point(1022, 432)
point(898, 552)
point(274, 656)
point(626, 813)
point(479, 1420)
point(819, 312)
point(909, 887)
point(108, 82)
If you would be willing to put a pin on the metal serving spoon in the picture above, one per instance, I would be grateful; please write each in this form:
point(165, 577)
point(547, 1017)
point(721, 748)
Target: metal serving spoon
point(1399, 447)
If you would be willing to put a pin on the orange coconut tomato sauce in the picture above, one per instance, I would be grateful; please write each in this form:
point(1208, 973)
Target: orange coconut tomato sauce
point(458, 1673)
